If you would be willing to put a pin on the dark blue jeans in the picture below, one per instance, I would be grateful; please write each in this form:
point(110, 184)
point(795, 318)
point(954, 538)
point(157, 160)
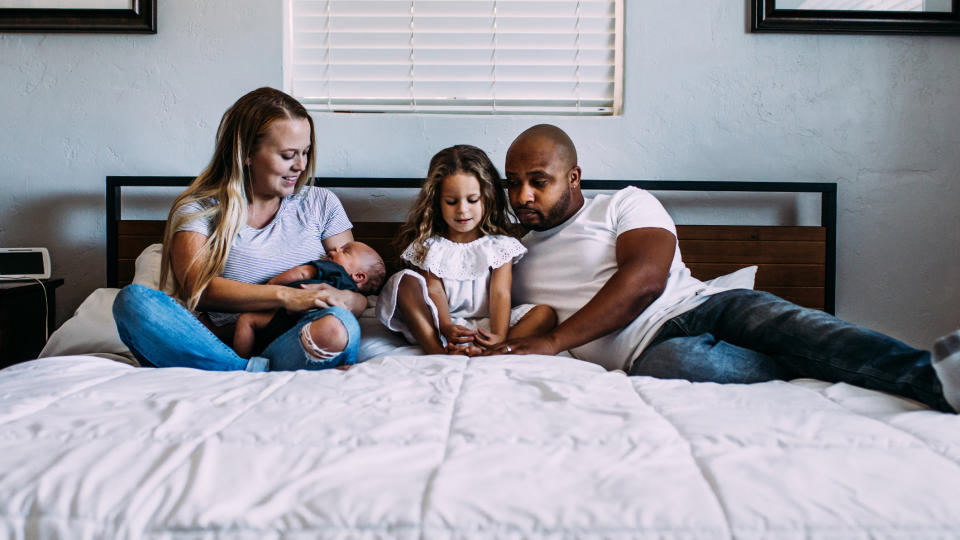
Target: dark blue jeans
point(745, 336)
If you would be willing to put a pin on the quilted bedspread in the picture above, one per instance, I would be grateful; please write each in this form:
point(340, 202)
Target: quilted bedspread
point(443, 446)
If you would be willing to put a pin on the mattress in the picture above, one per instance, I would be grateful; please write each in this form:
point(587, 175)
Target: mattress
point(447, 446)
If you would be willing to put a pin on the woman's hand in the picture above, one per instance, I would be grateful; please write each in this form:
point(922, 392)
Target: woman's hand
point(329, 295)
point(309, 297)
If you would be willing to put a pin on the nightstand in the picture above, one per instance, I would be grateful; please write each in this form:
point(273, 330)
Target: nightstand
point(24, 320)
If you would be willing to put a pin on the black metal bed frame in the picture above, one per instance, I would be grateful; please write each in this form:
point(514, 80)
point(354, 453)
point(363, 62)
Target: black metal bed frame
point(827, 191)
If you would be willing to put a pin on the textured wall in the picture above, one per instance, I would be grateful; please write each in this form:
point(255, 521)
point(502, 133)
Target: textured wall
point(705, 100)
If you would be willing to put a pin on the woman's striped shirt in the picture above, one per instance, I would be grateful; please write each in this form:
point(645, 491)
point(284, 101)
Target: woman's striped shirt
point(294, 237)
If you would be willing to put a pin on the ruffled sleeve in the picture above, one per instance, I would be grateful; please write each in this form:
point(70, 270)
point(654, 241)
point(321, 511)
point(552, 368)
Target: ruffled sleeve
point(452, 260)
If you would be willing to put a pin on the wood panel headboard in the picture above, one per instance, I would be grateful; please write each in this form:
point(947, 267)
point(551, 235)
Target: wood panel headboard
point(795, 262)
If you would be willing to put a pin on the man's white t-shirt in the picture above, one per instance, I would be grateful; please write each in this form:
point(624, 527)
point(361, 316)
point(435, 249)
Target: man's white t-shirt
point(567, 265)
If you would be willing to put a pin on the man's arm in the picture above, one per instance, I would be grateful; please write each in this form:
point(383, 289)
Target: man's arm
point(644, 257)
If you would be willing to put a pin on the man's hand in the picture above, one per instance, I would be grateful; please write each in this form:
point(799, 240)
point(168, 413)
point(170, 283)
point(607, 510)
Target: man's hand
point(297, 273)
point(530, 345)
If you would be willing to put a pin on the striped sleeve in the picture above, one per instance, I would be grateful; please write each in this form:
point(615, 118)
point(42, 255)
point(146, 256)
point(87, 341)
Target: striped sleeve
point(202, 225)
point(332, 217)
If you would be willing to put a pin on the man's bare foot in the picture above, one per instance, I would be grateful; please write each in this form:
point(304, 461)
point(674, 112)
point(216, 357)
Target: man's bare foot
point(946, 363)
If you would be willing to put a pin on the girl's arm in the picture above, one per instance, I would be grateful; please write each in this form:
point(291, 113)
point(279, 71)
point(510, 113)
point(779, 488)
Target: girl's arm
point(454, 333)
point(234, 296)
point(500, 281)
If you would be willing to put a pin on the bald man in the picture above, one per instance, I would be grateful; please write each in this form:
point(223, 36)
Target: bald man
point(611, 268)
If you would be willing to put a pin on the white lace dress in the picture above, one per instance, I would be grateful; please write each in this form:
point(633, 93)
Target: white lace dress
point(465, 272)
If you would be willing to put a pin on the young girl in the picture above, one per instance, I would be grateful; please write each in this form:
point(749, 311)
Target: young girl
point(455, 295)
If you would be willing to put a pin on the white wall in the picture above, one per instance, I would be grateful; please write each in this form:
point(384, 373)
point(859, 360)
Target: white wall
point(705, 100)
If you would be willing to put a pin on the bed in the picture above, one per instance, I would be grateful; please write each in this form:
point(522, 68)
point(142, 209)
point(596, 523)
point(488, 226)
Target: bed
point(411, 446)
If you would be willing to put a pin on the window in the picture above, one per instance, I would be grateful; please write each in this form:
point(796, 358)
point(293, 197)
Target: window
point(456, 56)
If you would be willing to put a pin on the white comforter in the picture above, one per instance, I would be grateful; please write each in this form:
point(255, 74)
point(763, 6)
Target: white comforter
point(443, 446)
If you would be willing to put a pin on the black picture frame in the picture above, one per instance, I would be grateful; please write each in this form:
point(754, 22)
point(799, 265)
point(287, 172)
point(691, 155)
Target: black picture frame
point(765, 17)
point(141, 18)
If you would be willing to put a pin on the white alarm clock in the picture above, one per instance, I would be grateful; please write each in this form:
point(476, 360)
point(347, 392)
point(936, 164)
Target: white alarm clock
point(24, 263)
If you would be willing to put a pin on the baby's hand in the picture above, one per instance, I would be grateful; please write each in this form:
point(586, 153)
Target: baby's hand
point(473, 350)
point(297, 273)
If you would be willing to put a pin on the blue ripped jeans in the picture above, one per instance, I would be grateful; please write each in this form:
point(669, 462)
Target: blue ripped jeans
point(161, 332)
point(745, 336)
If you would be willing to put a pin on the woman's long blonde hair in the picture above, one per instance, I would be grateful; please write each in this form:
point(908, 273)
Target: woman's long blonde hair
point(227, 181)
point(425, 218)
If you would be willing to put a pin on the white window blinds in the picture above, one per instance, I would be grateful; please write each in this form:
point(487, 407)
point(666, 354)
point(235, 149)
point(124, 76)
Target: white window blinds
point(467, 56)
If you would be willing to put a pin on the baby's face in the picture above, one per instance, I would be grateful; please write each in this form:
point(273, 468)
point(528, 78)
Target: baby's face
point(354, 257)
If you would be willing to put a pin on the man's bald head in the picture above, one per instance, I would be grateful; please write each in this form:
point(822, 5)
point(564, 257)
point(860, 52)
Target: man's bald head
point(541, 133)
point(543, 178)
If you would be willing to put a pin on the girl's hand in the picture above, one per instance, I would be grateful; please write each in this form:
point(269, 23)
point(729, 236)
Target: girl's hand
point(488, 339)
point(457, 334)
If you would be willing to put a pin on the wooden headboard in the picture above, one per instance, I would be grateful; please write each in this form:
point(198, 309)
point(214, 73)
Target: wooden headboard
point(797, 263)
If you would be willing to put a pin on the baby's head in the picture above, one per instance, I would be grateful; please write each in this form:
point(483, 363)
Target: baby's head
point(363, 264)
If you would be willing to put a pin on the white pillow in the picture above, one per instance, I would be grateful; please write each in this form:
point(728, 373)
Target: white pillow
point(147, 269)
point(91, 330)
point(741, 279)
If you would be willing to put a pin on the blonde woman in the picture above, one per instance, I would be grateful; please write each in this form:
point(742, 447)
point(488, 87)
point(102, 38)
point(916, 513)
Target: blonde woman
point(250, 215)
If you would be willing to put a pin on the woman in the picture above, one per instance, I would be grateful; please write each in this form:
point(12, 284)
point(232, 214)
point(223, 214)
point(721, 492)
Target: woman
point(249, 216)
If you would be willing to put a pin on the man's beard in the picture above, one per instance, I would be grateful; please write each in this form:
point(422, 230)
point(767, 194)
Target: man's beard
point(555, 216)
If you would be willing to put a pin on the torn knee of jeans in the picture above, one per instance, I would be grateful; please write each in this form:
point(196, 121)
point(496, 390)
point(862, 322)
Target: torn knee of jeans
point(313, 351)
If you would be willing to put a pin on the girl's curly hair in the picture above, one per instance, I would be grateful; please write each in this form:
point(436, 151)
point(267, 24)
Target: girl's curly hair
point(425, 218)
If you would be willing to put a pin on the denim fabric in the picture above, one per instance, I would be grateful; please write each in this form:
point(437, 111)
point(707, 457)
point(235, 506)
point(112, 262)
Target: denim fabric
point(161, 332)
point(745, 336)
point(286, 353)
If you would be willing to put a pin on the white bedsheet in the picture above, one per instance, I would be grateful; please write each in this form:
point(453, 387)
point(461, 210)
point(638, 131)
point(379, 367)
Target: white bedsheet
point(442, 446)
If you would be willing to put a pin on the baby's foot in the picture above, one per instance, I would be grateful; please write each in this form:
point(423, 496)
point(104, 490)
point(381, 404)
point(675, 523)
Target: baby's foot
point(946, 362)
point(473, 350)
